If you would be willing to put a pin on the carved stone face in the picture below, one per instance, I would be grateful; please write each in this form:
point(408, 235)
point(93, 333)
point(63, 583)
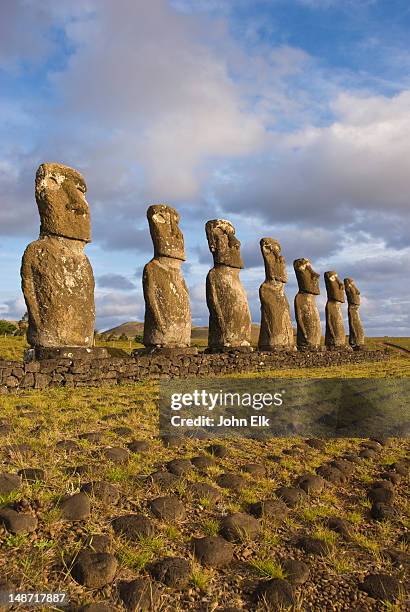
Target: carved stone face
point(60, 196)
point(275, 264)
point(223, 244)
point(334, 287)
point(165, 233)
point(308, 279)
point(352, 292)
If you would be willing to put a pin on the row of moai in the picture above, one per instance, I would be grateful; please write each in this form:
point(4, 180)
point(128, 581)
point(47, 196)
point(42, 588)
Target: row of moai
point(58, 285)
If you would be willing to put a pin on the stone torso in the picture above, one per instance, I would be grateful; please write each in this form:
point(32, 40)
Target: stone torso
point(229, 318)
point(335, 332)
point(276, 326)
point(356, 332)
point(167, 310)
point(58, 287)
point(308, 319)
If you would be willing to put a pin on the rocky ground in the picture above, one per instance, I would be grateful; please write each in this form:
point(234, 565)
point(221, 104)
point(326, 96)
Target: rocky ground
point(96, 504)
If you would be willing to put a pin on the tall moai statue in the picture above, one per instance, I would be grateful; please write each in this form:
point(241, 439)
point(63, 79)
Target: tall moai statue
point(335, 336)
point(356, 332)
point(229, 314)
point(167, 323)
point(276, 331)
point(309, 329)
point(56, 275)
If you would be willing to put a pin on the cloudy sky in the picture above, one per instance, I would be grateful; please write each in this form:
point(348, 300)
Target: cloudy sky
point(291, 118)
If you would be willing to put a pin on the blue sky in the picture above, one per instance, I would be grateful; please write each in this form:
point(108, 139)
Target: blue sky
point(290, 118)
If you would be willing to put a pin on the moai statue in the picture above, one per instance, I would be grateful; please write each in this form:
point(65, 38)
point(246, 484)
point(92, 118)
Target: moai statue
point(57, 278)
point(276, 330)
point(229, 315)
point(335, 336)
point(356, 332)
point(309, 330)
point(167, 323)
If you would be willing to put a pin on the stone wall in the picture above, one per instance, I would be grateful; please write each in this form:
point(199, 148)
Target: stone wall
point(116, 370)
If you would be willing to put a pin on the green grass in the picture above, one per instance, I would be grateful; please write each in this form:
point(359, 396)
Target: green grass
point(342, 562)
point(325, 534)
point(16, 541)
point(316, 512)
point(138, 554)
point(44, 544)
point(270, 538)
point(399, 342)
point(37, 559)
point(268, 568)
point(398, 367)
point(9, 497)
point(134, 560)
point(124, 345)
point(210, 527)
point(248, 496)
point(354, 517)
point(366, 542)
point(201, 577)
point(12, 347)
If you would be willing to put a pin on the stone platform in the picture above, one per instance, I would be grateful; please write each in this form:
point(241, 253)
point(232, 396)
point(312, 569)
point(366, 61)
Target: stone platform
point(69, 352)
point(70, 372)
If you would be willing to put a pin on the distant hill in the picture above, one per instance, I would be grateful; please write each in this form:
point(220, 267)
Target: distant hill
point(199, 333)
point(130, 329)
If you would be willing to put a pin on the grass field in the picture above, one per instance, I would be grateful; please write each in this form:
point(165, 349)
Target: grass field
point(50, 430)
point(13, 347)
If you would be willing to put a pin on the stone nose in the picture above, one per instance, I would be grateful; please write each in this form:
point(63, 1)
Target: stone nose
point(234, 242)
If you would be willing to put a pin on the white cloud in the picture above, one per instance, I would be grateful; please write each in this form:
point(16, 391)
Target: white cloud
point(114, 308)
point(21, 28)
point(361, 160)
point(115, 281)
point(13, 308)
point(146, 76)
point(334, 175)
point(25, 35)
point(199, 310)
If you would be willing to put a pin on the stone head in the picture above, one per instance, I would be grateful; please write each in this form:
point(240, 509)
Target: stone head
point(60, 196)
point(223, 244)
point(308, 279)
point(166, 235)
point(334, 287)
point(352, 292)
point(275, 264)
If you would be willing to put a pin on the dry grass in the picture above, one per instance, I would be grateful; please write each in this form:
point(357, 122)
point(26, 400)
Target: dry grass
point(37, 561)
